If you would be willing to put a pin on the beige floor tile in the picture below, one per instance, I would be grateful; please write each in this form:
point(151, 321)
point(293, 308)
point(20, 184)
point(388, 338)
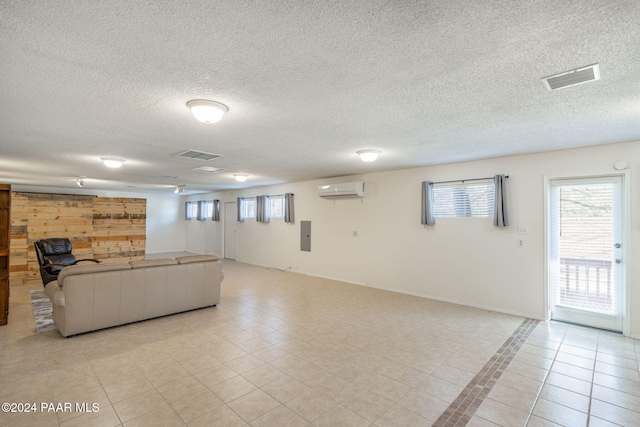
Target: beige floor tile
point(285, 389)
point(631, 374)
point(541, 422)
point(559, 414)
point(280, 416)
point(164, 417)
point(232, 388)
point(180, 388)
point(502, 414)
point(513, 397)
point(519, 382)
point(565, 397)
point(105, 416)
point(221, 416)
point(423, 404)
point(253, 405)
point(244, 363)
point(569, 383)
point(480, 422)
point(615, 397)
point(126, 389)
point(359, 375)
point(527, 370)
point(139, 405)
point(195, 405)
point(311, 405)
point(397, 416)
point(389, 389)
point(215, 375)
point(453, 375)
point(617, 383)
point(572, 371)
point(340, 416)
point(368, 405)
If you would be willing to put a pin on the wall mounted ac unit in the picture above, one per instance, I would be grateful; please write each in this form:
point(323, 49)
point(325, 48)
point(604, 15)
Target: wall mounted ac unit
point(342, 190)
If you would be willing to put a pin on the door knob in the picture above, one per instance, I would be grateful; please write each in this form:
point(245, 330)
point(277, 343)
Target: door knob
point(618, 261)
point(617, 246)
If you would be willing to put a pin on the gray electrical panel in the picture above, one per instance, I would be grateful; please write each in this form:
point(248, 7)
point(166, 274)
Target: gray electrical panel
point(305, 236)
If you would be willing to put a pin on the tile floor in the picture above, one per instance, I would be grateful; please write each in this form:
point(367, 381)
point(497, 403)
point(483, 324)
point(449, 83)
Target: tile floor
point(284, 349)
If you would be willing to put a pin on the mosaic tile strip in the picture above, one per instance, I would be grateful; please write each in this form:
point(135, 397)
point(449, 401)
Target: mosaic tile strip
point(469, 400)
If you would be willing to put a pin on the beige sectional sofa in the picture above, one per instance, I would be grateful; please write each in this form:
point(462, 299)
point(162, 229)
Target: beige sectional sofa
point(90, 297)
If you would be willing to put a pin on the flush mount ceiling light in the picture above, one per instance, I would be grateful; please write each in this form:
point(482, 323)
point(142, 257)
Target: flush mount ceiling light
point(112, 162)
point(207, 111)
point(179, 189)
point(240, 177)
point(369, 155)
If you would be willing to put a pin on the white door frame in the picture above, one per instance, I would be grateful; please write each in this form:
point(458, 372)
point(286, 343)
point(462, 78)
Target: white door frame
point(626, 241)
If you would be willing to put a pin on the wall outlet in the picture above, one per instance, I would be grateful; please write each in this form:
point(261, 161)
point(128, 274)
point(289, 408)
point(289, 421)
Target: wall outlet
point(521, 243)
point(522, 229)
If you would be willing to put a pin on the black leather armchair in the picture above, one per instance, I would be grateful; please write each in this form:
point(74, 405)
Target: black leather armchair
point(53, 255)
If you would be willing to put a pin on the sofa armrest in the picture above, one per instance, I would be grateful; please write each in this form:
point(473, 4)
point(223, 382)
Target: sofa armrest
point(55, 294)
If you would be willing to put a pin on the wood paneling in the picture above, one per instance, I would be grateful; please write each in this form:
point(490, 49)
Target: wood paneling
point(119, 229)
point(5, 253)
point(108, 229)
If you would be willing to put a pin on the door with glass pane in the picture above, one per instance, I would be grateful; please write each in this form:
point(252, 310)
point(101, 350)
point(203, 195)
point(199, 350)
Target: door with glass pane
point(586, 276)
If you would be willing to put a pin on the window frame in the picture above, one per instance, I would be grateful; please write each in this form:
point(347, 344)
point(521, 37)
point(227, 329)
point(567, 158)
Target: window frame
point(464, 205)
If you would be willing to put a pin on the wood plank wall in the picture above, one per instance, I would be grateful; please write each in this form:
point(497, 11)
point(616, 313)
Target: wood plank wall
point(108, 229)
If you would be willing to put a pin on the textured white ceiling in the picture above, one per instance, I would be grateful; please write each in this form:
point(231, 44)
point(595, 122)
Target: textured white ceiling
point(307, 85)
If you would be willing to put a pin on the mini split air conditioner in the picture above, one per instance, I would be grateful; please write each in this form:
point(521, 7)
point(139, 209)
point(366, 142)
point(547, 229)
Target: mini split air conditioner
point(342, 190)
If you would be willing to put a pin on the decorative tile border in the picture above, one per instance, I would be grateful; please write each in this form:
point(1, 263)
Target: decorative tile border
point(469, 400)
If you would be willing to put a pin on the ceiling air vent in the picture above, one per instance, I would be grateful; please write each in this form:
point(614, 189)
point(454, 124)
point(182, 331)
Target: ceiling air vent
point(571, 78)
point(198, 155)
point(207, 169)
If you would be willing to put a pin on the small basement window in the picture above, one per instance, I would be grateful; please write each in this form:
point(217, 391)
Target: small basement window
point(473, 199)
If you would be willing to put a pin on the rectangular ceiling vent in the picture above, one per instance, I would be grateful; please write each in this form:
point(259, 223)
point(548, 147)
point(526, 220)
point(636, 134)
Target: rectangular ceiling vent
point(207, 169)
point(578, 76)
point(198, 155)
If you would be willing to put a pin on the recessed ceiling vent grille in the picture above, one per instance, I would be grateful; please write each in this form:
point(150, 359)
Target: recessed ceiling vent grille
point(198, 155)
point(208, 169)
point(571, 78)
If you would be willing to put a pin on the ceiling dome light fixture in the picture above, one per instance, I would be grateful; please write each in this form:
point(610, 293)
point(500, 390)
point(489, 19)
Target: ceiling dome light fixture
point(207, 111)
point(80, 181)
point(179, 189)
point(240, 177)
point(369, 155)
point(112, 162)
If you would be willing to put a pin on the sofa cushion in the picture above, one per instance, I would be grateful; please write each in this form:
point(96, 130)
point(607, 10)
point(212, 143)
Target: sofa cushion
point(152, 262)
point(90, 269)
point(197, 258)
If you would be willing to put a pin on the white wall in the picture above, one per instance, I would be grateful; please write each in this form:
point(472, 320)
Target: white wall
point(166, 228)
point(464, 260)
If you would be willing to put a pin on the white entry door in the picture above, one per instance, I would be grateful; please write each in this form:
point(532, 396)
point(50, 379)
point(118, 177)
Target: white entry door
point(586, 251)
point(230, 217)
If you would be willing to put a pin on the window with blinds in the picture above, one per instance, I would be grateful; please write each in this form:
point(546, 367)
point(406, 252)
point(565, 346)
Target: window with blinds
point(276, 206)
point(461, 199)
point(248, 207)
point(190, 210)
point(205, 209)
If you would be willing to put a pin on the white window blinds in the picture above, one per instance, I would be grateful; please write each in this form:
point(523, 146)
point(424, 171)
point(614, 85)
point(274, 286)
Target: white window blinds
point(461, 199)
